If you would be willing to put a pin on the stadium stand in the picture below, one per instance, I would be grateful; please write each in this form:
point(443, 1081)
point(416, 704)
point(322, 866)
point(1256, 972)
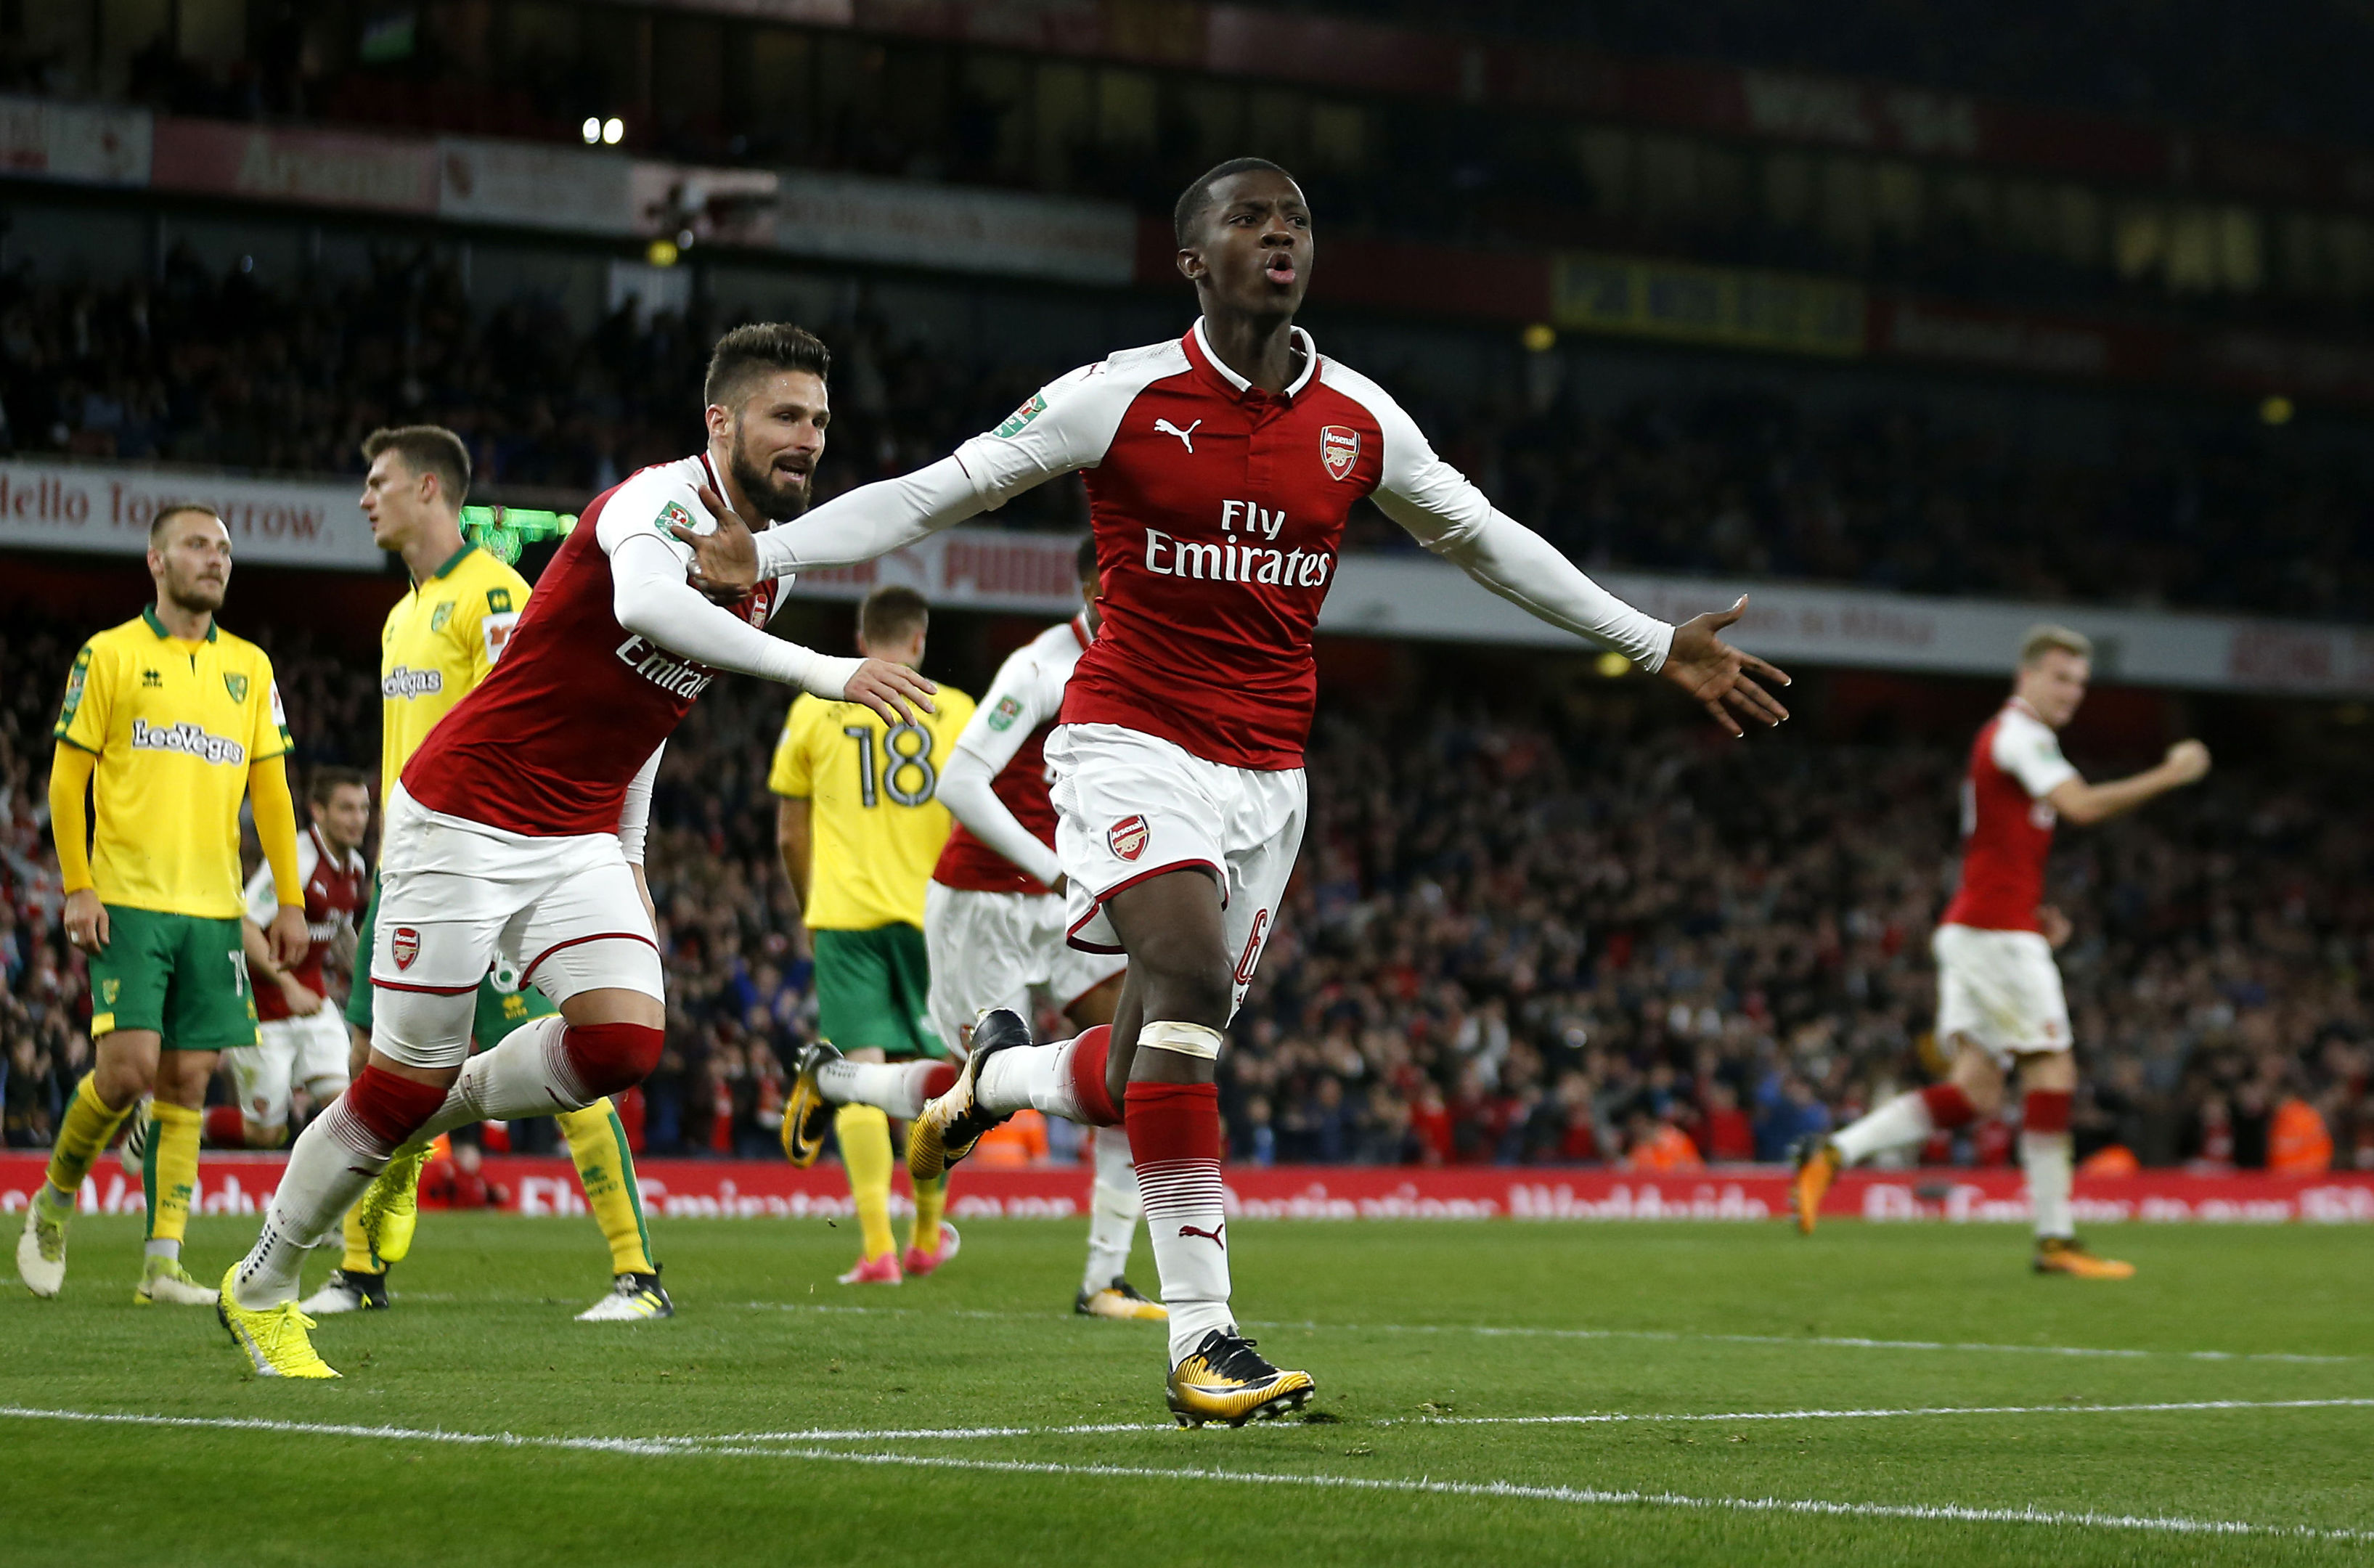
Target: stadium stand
point(1717, 475)
point(1585, 937)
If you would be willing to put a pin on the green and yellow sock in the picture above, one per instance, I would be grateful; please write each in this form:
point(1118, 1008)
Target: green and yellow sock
point(169, 1175)
point(931, 1204)
point(83, 1133)
point(864, 1136)
point(605, 1169)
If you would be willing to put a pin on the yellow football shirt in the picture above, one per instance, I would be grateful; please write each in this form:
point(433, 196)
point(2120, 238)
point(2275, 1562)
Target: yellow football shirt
point(875, 822)
point(175, 726)
point(440, 641)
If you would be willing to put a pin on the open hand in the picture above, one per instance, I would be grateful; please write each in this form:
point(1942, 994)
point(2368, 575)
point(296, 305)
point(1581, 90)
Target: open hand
point(726, 560)
point(1719, 677)
point(889, 688)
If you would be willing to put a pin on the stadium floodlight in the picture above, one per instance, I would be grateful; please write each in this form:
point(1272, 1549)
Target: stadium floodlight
point(502, 530)
point(592, 129)
point(613, 130)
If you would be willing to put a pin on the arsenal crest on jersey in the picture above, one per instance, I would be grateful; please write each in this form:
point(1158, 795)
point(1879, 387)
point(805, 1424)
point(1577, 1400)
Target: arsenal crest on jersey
point(403, 945)
point(1339, 449)
point(1128, 838)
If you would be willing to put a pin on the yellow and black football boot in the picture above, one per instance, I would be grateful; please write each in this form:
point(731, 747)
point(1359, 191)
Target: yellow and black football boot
point(807, 1114)
point(1224, 1378)
point(950, 1125)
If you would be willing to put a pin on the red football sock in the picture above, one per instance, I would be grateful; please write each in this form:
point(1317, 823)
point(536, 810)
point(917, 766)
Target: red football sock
point(391, 1108)
point(610, 1058)
point(226, 1127)
point(1174, 1131)
point(1948, 1106)
point(1087, 1066)
point(2046, 1110)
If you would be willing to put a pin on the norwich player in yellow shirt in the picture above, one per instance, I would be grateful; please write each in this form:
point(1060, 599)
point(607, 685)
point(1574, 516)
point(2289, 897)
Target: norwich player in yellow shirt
point(169, 722)
point(860, 829)
point(440, 641)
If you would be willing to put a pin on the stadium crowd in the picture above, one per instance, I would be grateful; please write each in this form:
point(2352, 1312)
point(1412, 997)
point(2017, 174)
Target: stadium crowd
point(226, 370)
point(1593, 935)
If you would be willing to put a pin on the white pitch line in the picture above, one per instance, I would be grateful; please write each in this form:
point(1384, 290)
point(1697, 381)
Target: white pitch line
point(906, 1434)
point(1426, 1486)
point(1663, 1336)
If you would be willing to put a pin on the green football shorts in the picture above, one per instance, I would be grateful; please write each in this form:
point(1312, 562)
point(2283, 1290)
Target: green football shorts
point(874, 989)
point(183, 976)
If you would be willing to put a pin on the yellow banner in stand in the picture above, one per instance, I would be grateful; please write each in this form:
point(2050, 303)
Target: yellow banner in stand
point(1729, 307)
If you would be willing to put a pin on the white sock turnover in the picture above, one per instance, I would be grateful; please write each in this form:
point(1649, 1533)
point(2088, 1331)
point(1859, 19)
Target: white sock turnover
point(1902, 1120)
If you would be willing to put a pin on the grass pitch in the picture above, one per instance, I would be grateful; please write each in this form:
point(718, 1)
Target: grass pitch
point(1502, 1393)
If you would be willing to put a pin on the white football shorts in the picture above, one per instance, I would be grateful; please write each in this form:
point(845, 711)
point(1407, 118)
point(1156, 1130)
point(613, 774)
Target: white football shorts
point(1130, 806)
point(2000, 990)
point(311, 1050)
point(457, 898)
point(989, 949)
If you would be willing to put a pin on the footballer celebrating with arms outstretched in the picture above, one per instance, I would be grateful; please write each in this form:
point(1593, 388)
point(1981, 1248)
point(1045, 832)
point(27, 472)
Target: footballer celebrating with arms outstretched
point(1221, 467)
point(516, 831)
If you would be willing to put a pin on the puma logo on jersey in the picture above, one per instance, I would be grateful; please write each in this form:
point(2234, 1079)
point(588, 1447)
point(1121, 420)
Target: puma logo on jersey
point(1186, 437)
point(1214, 1237)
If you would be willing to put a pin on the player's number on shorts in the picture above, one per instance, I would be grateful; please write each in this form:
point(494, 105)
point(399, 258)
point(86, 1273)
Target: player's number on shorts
point(900, 765)
point(238, 972)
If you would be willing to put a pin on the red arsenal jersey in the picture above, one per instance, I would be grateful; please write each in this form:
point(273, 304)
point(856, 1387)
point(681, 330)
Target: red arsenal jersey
point(1008, 732)
point(1218, 510)
point(2007, 822)
point(334, 894)
point(548, 741)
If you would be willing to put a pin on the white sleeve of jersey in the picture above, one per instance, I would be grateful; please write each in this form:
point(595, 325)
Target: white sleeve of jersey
point(871, 521)
point(2030, 753)
point(650, 595)
point(1067, 424)
point(635, 811)
point(647, 505)
point(1021, 698)
point(263, 898)
point(1443, 510)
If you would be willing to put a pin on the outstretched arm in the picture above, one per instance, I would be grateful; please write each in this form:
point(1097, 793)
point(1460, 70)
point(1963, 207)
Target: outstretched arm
point(2084, 804)
point(1067, 424)
point(650, 597)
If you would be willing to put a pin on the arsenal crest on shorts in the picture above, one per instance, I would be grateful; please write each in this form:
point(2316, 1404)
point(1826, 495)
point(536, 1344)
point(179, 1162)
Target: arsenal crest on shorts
point(1128, 838)
point(403, 943)
point(1339, 449)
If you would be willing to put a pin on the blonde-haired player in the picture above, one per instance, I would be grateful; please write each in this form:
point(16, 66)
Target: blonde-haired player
point(860, 826)
point(1999, 1001)
point(439, 642)
point(169, 722)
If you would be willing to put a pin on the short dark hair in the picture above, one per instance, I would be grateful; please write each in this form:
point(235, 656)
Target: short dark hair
point(328, 780)
point(175, 508)
point(891, 612)
point(762, 348)
point(426, 449)
point(1196, 199)
point(1086, 561)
